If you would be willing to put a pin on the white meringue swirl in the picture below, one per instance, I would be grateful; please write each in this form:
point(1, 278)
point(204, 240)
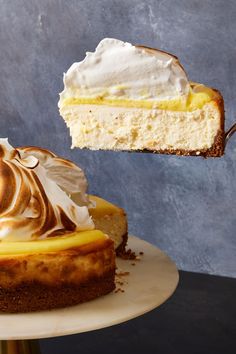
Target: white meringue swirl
point(120, 70)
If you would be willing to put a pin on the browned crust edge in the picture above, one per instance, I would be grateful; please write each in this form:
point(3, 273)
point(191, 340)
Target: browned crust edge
point(29, 297)
point(120, 250)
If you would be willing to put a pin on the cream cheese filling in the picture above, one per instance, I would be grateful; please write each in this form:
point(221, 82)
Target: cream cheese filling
point(121, 128)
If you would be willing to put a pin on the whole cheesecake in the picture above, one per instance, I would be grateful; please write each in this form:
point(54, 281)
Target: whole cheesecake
point(51, 255)
point(134, 98)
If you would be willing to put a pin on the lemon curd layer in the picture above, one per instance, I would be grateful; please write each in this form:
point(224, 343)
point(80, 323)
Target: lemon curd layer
point(195, 100)
point(55, 244)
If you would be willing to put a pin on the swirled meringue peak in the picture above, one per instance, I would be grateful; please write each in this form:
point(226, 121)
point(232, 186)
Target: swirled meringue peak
point(35, 190)
point(120, 70)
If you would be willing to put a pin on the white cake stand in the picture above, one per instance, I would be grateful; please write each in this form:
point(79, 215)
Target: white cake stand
point(150, 282)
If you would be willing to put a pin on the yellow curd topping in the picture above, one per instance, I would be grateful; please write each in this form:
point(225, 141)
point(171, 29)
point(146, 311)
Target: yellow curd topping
point(195, 100)
point(103, 207)
point(54, 244)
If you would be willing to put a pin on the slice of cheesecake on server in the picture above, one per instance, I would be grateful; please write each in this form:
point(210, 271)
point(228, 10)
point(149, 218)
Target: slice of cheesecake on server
point(126, 97)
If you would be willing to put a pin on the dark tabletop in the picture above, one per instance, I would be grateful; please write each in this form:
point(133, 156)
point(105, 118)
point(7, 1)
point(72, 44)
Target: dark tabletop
point(199, 318)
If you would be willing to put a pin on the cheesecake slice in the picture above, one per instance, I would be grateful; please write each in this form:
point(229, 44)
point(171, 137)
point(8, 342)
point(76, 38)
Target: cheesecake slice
point(134, 98)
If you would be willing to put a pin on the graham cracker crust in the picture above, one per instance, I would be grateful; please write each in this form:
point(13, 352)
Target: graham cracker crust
point(36, 296)
point(120, 250)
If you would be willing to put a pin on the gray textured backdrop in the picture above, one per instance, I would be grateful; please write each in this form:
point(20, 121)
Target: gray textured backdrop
point(186, 206)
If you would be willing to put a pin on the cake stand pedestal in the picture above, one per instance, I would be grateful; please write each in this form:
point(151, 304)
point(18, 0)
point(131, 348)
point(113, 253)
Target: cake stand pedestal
point(19, 347)
point(141, 286)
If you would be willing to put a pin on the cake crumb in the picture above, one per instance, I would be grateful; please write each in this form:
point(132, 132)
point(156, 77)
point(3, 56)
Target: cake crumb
point(119, 282)
point(122, 274)
point(128, 254)
point(119, 290)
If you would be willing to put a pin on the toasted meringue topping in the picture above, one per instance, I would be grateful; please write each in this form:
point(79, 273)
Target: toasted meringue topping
point(123, 71)
point(35, 189)
point(67, 175)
